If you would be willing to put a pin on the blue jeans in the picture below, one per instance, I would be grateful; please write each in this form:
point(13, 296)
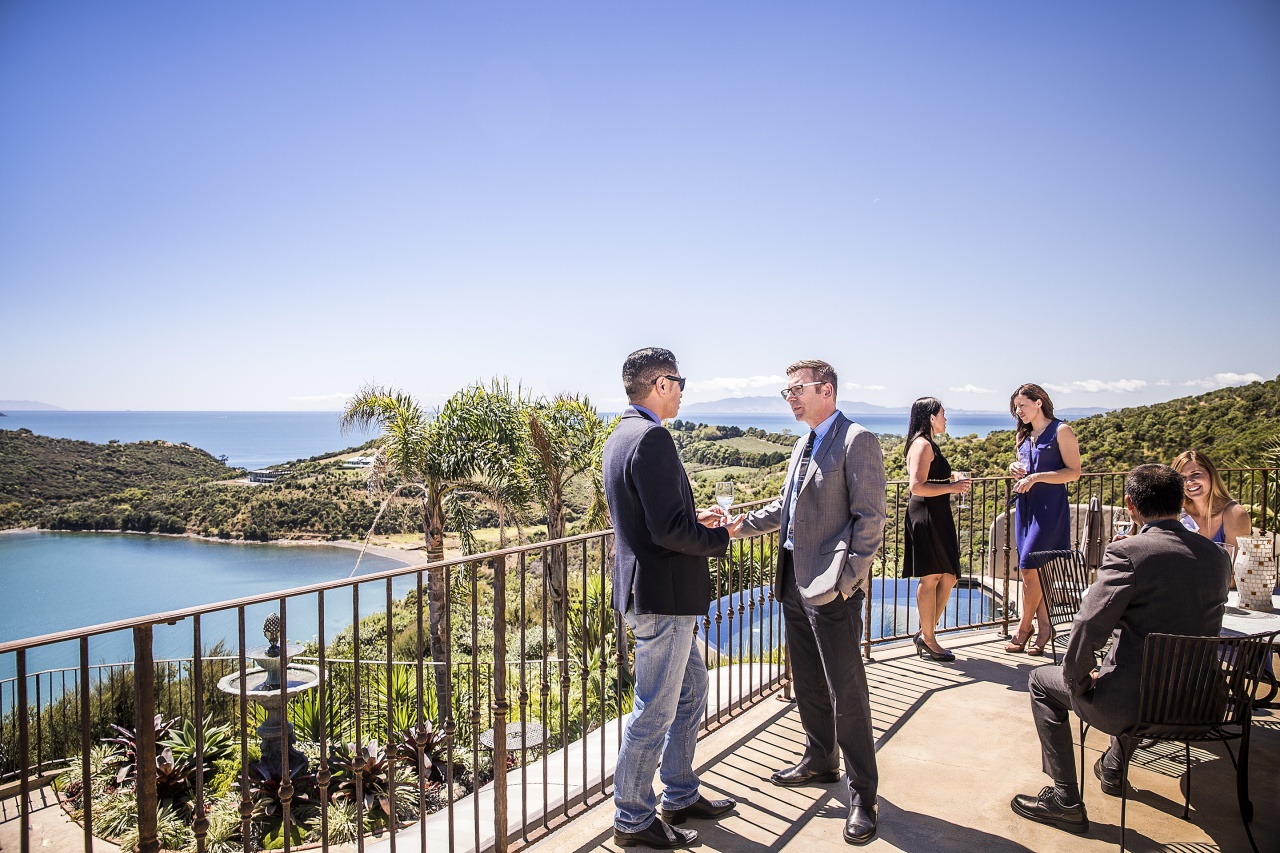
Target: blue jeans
point(671, 698)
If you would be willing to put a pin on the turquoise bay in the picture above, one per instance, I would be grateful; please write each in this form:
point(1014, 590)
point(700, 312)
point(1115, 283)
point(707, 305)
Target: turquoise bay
point(61, 581)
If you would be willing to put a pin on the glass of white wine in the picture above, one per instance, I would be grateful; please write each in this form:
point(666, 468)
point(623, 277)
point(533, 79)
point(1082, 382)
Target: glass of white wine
point(724, 496)
point(957, 476)
point(1122, 523)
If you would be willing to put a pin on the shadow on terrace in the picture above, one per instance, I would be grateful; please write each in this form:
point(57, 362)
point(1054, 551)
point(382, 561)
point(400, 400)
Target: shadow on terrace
point(152, 753)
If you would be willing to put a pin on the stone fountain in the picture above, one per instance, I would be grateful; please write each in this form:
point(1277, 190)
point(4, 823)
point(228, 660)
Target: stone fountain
point(264, 685)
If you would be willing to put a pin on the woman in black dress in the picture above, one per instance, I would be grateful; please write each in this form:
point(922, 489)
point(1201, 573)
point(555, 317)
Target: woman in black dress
point(932, 553)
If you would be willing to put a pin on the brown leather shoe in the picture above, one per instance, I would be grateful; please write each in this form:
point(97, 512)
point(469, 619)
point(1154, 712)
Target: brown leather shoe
point(701, 808)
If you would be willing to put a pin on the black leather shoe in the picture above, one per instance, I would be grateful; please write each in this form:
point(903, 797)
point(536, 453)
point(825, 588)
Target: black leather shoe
point(657, 835)
point(702, 808)
point(1112, 780)
point(1046, 809)
point(860, 827)
point(801, 775)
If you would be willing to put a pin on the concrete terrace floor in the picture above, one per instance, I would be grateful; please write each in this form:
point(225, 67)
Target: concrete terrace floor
point(955, 743)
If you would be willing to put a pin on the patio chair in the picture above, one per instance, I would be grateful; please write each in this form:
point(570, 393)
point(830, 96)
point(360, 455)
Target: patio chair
point(1063, 579)
point(1194, 689)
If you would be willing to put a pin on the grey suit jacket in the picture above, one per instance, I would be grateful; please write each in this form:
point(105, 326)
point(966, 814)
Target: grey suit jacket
point(1164, 580)
point(840, 513)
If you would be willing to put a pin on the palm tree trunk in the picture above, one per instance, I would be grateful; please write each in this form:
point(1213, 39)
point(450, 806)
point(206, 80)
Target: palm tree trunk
point(437, 602)
point(558, 573)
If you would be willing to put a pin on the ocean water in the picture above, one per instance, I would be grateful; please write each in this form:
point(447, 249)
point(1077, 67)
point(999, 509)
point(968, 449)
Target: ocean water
point(248, 439)
point(957, 425)
point(62, 581)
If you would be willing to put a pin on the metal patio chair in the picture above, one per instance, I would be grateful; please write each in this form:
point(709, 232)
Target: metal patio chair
point(1195, 689)
point(1063, 579)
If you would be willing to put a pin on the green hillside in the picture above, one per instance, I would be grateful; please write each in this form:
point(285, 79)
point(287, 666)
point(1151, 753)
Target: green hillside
point(1235, 426)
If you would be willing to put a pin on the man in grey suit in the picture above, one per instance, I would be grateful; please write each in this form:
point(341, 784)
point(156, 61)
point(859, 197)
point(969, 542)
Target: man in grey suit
point(662, 586)
point(831, 520)
point(1165, 579)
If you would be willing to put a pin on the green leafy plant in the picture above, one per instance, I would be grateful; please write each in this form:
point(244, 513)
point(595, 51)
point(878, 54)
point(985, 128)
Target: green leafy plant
point(425, 748)
point(362, 774)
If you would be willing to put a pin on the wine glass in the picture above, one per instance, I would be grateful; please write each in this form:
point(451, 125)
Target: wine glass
point(1122, 524)
point(724, 496)
point(957, 476)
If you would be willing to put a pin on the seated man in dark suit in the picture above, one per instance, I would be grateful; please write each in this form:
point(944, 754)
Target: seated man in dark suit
point(1165, 579)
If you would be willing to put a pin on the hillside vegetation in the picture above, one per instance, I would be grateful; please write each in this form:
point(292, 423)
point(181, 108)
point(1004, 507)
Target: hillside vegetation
point(160, 487)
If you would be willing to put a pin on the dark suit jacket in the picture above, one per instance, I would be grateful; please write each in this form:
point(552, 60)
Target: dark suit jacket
point(662, 550)
point(1164, 580)
point(840, 513)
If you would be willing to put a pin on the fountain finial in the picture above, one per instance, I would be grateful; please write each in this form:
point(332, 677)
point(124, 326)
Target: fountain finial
point(271, 630)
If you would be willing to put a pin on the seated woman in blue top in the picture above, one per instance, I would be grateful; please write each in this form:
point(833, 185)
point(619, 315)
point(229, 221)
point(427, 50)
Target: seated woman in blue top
point(1206, 499)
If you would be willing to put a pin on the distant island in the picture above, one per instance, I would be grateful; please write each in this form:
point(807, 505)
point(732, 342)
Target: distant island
point(28, 406)
point(775, 405)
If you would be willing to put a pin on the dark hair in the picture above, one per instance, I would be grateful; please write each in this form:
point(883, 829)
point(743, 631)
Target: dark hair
point(919, 425)
point(822, 372)
point(1031, 391)
point(643, 367)
point(1156, 490)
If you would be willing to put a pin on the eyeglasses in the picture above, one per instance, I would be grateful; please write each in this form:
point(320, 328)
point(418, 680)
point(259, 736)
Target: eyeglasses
point(679, 380)
point(798, 389)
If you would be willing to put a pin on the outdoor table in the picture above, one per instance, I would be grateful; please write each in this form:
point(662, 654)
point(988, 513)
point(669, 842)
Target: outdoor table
point(1239, 622)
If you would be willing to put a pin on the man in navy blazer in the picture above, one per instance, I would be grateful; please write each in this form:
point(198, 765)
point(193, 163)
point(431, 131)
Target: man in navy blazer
point(662, 586)
point(1165, 579)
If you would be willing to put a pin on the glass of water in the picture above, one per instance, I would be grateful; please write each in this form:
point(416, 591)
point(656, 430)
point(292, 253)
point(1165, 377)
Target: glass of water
point(957, 476)
point(724, 495)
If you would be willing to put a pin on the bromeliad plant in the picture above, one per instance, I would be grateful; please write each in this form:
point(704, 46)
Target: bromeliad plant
point(173, 774)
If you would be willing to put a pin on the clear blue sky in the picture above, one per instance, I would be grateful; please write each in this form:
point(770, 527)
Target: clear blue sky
point(240, 205)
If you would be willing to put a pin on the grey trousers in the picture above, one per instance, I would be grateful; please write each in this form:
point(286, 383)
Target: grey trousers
point(830, 684)
point(1051, 710)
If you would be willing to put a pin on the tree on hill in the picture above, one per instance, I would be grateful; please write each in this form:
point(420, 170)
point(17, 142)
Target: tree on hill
point(468, 449)
point(566, 440)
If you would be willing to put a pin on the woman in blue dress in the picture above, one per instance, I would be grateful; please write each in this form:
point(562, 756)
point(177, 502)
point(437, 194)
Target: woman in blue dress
point(1048, 457)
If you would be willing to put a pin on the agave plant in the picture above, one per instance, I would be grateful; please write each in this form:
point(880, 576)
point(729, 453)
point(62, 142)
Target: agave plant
point(363, 773)
point(173, 774)
point(427, 749)
point(219, 744)
point(264, 789)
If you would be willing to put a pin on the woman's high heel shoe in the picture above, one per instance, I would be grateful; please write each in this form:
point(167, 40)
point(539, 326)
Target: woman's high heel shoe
point(922, 649)
point(1017, 643)
point(1037, 648)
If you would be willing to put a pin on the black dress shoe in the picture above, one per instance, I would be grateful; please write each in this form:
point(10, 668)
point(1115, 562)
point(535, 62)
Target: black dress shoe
point(701, 808)
point(657, 835)
point(1112, 780)
point(801, 775)
point(860, 827)
point(1046, 809)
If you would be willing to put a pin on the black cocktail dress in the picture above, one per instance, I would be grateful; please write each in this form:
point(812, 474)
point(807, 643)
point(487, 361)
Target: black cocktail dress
point(930, 540)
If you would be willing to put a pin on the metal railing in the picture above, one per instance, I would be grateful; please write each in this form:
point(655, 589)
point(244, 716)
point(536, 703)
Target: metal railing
point(526, 700)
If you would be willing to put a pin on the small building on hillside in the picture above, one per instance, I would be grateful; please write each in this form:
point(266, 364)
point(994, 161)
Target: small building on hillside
point(266, 475)
point(358, 462)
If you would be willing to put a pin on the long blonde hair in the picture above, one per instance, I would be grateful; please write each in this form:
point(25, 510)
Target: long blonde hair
point(1219, 497)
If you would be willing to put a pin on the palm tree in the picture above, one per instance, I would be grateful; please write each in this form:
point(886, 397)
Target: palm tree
point(566, 439)
point(469, 449)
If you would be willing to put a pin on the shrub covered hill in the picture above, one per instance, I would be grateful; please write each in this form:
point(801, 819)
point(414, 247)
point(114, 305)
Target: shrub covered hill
point(155, 486)
point(37, 471)
point(1237, 427)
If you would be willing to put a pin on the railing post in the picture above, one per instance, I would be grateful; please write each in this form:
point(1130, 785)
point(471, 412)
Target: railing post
point(24, 762)
point(1008, 570)
point(144, 705)
point(500, 705)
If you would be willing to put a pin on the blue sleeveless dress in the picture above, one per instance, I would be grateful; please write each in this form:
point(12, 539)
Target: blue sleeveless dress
point(1043, 515)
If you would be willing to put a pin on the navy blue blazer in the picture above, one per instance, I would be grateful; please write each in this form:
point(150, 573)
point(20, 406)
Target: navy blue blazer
point(661, 550)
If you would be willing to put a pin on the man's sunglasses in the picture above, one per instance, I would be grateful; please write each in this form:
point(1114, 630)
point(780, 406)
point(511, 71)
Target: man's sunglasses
point(679, 380)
